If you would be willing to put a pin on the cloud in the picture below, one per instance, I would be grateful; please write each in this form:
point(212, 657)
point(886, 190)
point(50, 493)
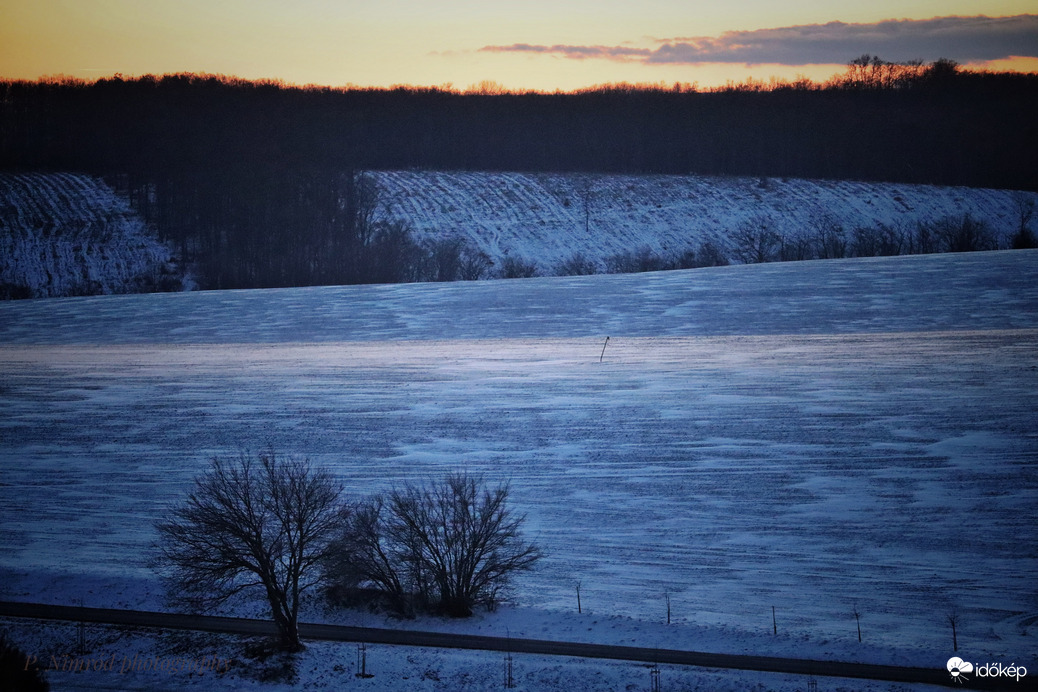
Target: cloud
point(963, 39)
point(575, 52)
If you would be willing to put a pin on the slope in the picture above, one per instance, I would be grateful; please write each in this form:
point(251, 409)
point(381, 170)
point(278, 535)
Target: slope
point(547, 218)
point(67, 234)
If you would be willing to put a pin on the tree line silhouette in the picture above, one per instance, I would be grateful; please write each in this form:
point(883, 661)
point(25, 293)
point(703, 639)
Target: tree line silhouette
point(258, 182)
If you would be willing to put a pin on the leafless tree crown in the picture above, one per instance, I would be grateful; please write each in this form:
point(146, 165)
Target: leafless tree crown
point(449, 545)
point(253, 523)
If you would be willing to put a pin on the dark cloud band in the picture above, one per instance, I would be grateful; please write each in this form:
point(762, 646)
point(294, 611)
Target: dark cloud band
point(576, 52)
point(964, 39)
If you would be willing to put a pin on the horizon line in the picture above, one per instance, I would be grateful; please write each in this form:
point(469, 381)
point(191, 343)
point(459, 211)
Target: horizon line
point(490, 87)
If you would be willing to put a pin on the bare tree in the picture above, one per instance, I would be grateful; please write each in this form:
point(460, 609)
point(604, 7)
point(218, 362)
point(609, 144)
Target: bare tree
point(923, 239)
point(454, 258)
point(829, 239)
point(709, 254)
point(643, 259)
point(251, 524)
point(857, 620)
point(487, 87)
point(862, 70)
point(362, 207)
point(363, 557)
point(954, 619)
point(464, 537)
point(872, 72)
point(587, 189)
point(1024, 238)
point(883, 240)
point(964, 234)
point(577, 265)
point(445, 257)
point(475, 264)
point(392, 256)
point(755, 242)
point(452, 544)
point(796, 247)
point(517, 268)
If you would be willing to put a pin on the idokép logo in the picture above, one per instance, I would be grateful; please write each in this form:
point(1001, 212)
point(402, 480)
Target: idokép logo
point(958, 669)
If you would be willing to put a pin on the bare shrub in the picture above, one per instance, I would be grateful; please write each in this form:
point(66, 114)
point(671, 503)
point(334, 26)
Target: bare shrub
point(709, 254)
point(830, 241)
point(576, 265)
point(755, 242)
point(631, 262)
point(516, 268)
point(446, 546)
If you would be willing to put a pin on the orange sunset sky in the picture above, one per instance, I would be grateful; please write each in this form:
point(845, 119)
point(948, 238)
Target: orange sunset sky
point(520, 44)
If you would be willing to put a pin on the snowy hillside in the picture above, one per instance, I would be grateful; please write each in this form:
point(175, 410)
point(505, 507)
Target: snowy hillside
point(66, 234)
point(547, 218)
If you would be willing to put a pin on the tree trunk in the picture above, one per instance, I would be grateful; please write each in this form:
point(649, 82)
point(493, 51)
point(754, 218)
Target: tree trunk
point(288, 631)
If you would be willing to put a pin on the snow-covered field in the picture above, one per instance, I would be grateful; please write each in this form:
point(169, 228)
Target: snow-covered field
point(814, 436)
point(70, 234)
point(546, 218)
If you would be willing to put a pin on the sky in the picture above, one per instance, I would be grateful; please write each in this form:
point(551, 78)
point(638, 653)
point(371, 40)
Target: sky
point(519, 44)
